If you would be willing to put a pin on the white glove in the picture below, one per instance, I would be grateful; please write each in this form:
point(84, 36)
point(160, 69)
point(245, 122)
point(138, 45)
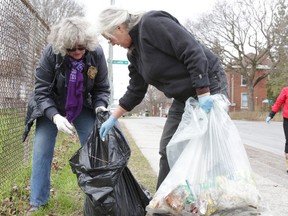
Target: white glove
point(100, 109)
point(63, 124)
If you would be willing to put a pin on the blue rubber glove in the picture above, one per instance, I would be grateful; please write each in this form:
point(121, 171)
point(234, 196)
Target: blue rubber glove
point(205, 102)
point(268, 119)
point(106, 127)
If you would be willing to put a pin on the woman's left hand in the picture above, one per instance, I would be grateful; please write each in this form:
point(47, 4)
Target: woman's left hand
point(205, 102)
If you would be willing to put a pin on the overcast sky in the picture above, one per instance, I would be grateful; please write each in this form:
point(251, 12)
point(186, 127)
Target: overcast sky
point(181, 9)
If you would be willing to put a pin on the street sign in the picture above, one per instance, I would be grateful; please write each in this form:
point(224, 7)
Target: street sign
point(119, 62)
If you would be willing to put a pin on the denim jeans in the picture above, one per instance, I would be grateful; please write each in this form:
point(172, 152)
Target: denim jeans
point(43, 150)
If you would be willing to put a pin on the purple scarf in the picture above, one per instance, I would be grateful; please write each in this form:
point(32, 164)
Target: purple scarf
point(74, 100)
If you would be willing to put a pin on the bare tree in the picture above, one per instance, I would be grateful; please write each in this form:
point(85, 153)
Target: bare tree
point(242, 34)
point(52, 11)
point(153, 102)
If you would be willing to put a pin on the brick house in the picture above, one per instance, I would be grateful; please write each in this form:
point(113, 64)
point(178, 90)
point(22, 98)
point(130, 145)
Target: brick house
point(238, 91)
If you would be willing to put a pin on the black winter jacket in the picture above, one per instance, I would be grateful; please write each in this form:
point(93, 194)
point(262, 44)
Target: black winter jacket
point(167, 56)
point(49, 96)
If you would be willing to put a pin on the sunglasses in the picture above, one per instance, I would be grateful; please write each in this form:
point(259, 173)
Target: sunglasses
point(77, 48)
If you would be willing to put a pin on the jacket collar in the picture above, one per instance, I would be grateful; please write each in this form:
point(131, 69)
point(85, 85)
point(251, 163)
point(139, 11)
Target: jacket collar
point(60, 60)
point(134, 34)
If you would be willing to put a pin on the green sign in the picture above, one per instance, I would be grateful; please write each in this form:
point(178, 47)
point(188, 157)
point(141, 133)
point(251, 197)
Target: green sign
point(119, 62)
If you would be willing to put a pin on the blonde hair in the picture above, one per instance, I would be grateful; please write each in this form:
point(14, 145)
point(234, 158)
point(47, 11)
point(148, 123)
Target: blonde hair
point(71, 31)
point(112, 17)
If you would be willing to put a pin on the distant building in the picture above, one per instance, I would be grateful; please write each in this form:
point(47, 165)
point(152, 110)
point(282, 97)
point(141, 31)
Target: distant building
point(238, 92)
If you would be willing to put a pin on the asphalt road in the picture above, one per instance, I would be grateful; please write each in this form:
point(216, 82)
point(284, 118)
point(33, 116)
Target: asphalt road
point(264, 145)
point(269, 137)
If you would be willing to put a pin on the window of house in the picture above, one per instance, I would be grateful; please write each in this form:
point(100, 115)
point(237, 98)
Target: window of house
point(244, 100)
point(243, 81)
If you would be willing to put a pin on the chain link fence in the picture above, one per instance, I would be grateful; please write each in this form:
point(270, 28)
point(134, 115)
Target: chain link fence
point(22, 37)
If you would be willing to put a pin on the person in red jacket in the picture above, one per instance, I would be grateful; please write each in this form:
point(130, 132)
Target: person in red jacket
point(282, 99)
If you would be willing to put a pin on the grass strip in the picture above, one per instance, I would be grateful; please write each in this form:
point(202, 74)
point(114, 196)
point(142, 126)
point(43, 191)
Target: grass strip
point(67, 199)
point(139, 165)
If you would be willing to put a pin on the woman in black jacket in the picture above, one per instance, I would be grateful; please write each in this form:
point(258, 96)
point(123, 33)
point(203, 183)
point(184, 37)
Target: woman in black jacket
point(164, 54)
point(71, 84)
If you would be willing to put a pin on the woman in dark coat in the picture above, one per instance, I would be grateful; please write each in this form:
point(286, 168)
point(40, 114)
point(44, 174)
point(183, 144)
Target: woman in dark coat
point(71, 84)
point(164, 54)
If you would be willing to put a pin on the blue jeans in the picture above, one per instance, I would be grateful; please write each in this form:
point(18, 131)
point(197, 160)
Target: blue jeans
point(43, 149)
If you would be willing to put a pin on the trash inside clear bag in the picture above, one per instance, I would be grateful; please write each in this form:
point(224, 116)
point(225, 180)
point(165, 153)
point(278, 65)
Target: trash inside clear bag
point(210, 170)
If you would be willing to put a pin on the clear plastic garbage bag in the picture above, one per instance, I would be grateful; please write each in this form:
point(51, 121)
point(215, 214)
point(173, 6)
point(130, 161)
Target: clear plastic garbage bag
point(210, 170)
point(103, 175)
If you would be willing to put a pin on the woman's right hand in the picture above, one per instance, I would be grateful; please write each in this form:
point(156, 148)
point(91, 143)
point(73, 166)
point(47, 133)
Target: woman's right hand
point(268, 119)
point(106, 127)
point(63, 124)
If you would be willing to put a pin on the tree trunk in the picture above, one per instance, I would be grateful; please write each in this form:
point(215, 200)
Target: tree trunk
point(250, 95)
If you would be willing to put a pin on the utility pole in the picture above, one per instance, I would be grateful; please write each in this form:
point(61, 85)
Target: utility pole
point(110, 67)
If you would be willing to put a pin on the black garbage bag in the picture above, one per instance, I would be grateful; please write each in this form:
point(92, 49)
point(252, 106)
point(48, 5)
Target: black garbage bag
point(103, 175)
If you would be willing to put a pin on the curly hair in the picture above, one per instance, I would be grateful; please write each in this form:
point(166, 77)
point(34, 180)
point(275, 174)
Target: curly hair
point(71, 31)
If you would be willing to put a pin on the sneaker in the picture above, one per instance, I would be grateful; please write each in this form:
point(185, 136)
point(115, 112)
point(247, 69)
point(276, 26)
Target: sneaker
point(36, 208)
point(33, 208)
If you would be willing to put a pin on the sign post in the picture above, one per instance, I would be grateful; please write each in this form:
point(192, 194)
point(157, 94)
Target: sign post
point(120, 62)
point(110, 62)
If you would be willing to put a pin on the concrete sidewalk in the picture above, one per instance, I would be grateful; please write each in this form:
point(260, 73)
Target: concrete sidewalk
point(270, 178)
